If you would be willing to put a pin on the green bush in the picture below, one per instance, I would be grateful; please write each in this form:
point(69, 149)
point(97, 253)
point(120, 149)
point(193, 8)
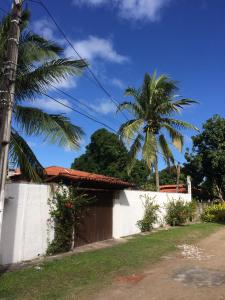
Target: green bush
point(214, 213)
point(179, 212)
point(150, 215)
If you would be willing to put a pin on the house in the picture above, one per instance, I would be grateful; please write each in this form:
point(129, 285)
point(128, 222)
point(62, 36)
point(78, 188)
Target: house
point(26, 231)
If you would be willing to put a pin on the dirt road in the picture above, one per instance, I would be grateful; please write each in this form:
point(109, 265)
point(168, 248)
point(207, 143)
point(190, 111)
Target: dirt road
point(193, 272)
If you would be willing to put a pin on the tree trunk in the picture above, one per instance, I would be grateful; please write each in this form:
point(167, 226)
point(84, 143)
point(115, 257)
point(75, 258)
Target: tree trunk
point(157, 174)
point(178, 178)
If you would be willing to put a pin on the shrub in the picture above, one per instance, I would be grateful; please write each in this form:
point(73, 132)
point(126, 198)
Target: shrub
point(214, 213)
point(66, 209)
point(150, 215)
point(179, 212)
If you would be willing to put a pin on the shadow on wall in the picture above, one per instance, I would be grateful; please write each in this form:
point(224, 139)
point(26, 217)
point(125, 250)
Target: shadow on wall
point(10, 218)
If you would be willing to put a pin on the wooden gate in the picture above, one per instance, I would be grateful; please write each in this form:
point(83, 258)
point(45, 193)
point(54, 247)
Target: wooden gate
point(95, 223)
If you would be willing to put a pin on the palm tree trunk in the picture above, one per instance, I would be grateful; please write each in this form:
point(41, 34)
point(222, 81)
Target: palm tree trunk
point(157, 174)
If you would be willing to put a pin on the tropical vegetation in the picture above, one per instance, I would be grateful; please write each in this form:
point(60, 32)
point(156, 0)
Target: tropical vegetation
point(214, 213)
point(40, 63)
point(107, 155)
point(179, 212)
point(153, 108)
point(205, 164)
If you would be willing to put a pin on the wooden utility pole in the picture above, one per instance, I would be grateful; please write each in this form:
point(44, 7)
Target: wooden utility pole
point(7, 90)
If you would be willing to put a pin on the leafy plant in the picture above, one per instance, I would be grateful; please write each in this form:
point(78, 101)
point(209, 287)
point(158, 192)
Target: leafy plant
point(66, 209)
point(179, 212)
point(150, 215)
point(214, 213)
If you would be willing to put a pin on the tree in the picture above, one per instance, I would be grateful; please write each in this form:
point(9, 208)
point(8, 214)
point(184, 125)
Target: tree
point(40, 63)
point(153, 107)
point(107, 155)
point(167, 176)
point(206, 162)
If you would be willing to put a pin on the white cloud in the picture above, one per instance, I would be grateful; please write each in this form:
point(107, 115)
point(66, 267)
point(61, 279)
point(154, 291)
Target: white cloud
point(67, 83)
point(131, 9)
point(94, 47)
point(45, 28)
point(103, 107)
point(52, 106)
point(118, 83)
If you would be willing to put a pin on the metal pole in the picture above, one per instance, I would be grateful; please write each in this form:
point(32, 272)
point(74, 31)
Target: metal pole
point(7, 90)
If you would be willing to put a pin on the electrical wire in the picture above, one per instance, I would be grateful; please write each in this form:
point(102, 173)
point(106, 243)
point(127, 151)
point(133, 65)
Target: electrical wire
point(95, 77)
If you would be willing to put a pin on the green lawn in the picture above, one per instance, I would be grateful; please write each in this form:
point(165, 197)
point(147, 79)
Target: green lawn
point(78, 275)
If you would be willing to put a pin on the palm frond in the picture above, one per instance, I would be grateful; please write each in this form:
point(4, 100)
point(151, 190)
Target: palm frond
point(134, 149)
point(21, 155)
point(167, 153)
point(55, 128)
point(176, 137)
point(149, 150)
point(29, 84)
point(130, 128)
point(179, 124)
point(134, 108)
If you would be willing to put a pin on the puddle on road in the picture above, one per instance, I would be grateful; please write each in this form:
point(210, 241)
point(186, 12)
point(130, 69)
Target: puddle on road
point(200, 277)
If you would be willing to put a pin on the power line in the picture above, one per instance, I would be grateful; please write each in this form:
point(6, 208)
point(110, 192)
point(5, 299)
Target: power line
point(80, 113)
point(100, 85)
point(95, 120)
point(93, 75)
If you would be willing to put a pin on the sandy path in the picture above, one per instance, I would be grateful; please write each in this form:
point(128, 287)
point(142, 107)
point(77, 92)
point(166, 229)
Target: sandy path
point(177, 277)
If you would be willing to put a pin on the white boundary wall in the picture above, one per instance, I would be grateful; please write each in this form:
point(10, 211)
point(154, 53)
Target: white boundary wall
point(128, 208)
point(25, 231)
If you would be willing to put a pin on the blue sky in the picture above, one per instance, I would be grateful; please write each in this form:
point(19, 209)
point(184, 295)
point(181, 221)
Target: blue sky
point(123, 39)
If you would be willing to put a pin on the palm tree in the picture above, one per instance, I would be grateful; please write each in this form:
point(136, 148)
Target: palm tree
point(40, 63)
point(153, 109)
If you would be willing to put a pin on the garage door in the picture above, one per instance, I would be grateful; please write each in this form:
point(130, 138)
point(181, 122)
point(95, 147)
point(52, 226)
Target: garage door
point(95, 223)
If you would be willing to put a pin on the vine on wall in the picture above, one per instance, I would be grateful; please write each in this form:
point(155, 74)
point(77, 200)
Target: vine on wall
point(66, 208)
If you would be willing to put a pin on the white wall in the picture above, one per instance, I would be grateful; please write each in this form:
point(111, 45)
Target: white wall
point(128, 208)
point(25, 229)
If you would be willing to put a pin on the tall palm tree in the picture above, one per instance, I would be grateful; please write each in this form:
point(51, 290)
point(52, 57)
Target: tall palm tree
point(40, 63)
point(153, 109)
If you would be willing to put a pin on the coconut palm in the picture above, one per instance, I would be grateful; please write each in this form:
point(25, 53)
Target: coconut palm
point(40, 63)
point(153, 121)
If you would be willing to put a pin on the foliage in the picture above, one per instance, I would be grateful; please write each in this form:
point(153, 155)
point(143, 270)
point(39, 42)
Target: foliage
point(152, 110)
point(107, 155)
point(84, 274)
point(206, 162)
point(66, 210)
point(167, 176)
point(40, 64)
point(179, 212)
point(214, 213)
point(150, 215)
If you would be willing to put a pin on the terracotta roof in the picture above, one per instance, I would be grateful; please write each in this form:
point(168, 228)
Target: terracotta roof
point(54, 172)
point(172, 188)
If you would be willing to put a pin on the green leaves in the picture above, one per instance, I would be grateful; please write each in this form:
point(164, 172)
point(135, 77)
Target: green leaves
point(32, 82)
point(152, 106)
point(55, 128)
point(40, 64)
point(21, 155)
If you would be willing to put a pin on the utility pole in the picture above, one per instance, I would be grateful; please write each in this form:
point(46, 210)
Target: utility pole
point(7, 91)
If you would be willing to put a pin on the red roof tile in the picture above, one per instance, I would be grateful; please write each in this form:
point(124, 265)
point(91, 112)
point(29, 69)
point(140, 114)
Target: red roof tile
point(172, 188)
point(76, 175)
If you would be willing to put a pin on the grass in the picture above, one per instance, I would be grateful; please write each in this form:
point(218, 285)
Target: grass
point(79, 275)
